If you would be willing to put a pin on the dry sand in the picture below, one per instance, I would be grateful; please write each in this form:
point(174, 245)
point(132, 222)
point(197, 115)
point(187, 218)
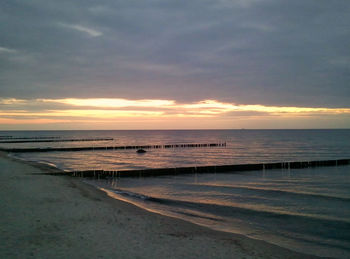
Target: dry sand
point(45, 216)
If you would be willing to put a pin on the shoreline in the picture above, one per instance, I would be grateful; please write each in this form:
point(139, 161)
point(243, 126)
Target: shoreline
point(49, 216)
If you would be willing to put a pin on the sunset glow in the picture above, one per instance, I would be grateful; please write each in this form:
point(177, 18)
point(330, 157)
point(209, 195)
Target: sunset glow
point(225, 64)
point(112, 110)
point(110, 102)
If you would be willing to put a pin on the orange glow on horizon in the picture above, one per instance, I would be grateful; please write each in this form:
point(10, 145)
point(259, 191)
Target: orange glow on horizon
point(111, 102)
point(165, 112)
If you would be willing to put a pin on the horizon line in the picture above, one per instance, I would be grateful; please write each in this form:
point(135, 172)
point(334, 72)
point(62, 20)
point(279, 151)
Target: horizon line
point(175, 129)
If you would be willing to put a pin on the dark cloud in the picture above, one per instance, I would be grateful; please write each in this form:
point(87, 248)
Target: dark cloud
point(268, 52)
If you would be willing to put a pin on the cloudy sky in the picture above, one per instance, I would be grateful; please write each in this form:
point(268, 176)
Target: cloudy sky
point(136, 64)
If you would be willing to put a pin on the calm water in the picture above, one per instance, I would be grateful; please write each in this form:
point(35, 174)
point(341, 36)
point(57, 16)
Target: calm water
point(307, 210)
point(243, 146)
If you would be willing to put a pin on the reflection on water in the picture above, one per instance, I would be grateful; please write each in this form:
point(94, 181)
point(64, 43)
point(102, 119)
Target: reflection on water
point(243, 146)
point(307, 210)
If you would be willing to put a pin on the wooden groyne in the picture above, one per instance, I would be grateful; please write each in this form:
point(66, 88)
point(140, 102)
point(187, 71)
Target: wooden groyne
point(25, 150)
point(55, 140)
point(207, 169)
point(11, 137)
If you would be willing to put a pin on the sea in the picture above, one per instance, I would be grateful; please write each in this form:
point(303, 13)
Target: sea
point(305, 210)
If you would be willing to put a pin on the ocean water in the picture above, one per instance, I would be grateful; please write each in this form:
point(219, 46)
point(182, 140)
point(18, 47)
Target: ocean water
point(306, 210)
point(243, 146)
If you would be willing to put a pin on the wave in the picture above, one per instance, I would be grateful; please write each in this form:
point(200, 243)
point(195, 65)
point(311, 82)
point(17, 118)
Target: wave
point(274, 191)
point(323, 236)
point(133, 195)
point(33, 160)
point(291, 222)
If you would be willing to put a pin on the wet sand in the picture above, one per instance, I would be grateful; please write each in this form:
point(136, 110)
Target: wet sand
point(46, 216)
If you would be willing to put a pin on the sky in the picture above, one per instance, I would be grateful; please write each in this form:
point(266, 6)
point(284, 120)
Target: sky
point(181, 64)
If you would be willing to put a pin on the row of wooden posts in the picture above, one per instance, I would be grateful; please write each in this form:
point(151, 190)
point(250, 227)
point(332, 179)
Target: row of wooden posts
point(55, 140)
point(186, 145)
point(12, 137)
point(206, 169)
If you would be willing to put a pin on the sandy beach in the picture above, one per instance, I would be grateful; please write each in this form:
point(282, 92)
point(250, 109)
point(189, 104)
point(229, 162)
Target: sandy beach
point(46, 216)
